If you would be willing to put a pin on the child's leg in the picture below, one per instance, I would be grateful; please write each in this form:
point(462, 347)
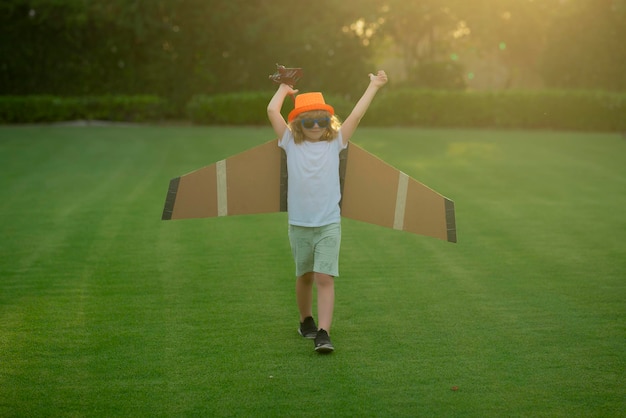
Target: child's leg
point(304, 295)
point(325, 300)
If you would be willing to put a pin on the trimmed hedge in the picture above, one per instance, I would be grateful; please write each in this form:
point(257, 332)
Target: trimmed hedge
point(246, 108)
point(559, 110)
point(229, 109)
point(35, 109)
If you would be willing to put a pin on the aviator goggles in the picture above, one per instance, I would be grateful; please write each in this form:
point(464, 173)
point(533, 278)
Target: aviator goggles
point(310, 123)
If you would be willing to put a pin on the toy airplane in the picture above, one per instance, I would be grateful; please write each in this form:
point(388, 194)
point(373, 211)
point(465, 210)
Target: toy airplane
point(255, 181)
point(288, 76)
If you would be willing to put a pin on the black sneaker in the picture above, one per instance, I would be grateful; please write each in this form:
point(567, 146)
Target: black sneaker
point(322, 342)
point(308, 329)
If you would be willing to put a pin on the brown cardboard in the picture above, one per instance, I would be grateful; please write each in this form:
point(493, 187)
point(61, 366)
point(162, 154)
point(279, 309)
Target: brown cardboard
point(370, 188)
point(196, 194)
point(252, 186)
point(425, 211)
point(255, 181)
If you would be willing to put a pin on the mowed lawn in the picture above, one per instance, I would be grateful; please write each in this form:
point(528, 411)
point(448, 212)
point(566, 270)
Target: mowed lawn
point(105, 310)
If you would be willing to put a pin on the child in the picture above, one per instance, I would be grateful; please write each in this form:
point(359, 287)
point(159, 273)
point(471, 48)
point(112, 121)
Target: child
point(312, 141)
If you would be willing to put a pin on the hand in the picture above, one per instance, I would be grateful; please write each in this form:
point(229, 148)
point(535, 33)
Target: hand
point(288, 89)
point(378, 80)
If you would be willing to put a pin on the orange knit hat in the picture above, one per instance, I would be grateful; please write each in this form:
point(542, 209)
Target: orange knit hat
point(306, 102)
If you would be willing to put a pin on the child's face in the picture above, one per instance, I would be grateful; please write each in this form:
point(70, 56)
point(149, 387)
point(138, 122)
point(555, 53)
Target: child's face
point(314, 124)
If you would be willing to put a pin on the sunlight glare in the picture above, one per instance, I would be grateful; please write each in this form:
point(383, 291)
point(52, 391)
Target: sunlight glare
point(363, 29)
point(461, 30)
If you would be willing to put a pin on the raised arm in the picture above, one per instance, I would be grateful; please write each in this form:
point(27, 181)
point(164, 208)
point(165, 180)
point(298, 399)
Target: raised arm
point(274, 106)
point(352, 121)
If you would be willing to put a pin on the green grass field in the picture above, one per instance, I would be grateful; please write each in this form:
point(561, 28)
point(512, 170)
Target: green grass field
point(105, 310)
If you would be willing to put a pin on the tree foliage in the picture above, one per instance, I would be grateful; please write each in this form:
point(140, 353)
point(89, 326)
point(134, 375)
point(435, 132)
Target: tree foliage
point(174, 48)
point(179, 48)
point(586, 47)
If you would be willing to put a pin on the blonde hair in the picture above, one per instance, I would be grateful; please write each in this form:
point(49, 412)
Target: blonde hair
point(330, 134)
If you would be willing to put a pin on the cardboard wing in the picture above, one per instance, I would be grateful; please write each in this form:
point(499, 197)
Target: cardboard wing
point(255, 181)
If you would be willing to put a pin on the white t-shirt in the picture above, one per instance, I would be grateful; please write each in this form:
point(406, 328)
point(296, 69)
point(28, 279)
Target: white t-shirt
point(313, 191)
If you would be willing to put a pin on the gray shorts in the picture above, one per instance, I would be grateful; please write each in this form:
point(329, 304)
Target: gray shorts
point(316, 248)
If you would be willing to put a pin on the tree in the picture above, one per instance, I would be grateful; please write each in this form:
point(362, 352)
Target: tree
point(586, 48)
point(174, 48)
point(421, 33)
point(40, 44)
